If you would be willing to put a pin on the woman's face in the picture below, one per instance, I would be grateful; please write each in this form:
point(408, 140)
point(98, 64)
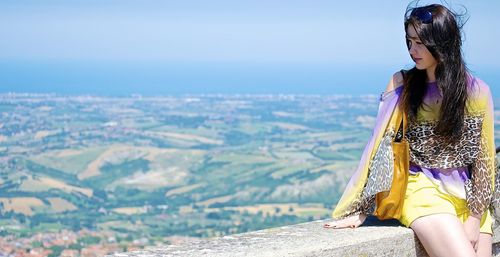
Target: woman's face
point(418, 51)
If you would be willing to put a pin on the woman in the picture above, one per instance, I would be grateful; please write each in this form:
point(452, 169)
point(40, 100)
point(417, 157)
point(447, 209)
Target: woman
point(452, 153)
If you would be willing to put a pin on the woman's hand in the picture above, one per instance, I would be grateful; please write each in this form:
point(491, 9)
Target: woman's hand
point(349, 222)
point(471, 227)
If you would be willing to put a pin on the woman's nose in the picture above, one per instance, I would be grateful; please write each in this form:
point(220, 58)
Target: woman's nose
point(412, 50)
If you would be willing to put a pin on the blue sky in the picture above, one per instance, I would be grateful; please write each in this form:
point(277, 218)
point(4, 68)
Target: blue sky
point(162, 47)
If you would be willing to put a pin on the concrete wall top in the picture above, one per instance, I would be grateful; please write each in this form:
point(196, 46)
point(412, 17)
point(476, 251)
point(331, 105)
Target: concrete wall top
point(374, 238)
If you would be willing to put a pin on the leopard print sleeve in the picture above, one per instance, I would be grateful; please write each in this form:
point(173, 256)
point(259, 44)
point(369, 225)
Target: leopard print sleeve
point(480, 186)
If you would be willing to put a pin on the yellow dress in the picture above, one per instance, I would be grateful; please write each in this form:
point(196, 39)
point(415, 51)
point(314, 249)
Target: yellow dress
point(463, 174)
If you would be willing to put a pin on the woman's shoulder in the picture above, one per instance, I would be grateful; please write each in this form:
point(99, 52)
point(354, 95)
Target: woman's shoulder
point(478, 87)
point(395, 81)
point(479, 93)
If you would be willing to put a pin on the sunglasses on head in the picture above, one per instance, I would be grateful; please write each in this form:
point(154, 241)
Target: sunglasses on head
point(422, 14)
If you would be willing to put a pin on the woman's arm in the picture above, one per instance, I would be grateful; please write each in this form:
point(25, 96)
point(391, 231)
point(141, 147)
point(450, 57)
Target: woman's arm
point(483, 168)
point(356, 201)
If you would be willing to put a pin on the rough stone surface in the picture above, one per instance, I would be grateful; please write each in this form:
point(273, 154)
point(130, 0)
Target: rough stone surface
point(374, 238)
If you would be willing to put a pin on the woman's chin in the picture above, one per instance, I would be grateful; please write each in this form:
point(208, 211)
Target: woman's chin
point(420, 67)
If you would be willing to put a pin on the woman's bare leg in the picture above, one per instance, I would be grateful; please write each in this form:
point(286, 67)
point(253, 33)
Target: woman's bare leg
point(443, 235)
point(484, 245)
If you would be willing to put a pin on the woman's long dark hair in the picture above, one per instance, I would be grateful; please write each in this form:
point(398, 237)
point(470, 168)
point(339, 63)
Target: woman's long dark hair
point(442, 37)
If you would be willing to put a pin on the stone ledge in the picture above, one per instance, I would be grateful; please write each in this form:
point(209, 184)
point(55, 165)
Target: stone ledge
point(374, 238)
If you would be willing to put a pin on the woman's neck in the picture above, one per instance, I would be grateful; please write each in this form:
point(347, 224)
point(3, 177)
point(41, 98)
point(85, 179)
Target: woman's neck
point(431, 74)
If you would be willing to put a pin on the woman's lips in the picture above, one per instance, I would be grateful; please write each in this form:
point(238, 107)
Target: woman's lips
point(417, 59)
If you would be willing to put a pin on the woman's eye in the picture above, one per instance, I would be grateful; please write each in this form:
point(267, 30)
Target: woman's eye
point(408, 44)
point(418, 43)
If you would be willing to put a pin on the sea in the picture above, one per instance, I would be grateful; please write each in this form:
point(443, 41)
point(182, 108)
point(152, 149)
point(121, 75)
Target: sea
point(153, 79)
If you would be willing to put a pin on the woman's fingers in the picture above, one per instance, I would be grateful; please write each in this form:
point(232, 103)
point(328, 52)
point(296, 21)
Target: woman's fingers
point(342, 224)
point(349, 222)
point(330, 225)
point(474, 245)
